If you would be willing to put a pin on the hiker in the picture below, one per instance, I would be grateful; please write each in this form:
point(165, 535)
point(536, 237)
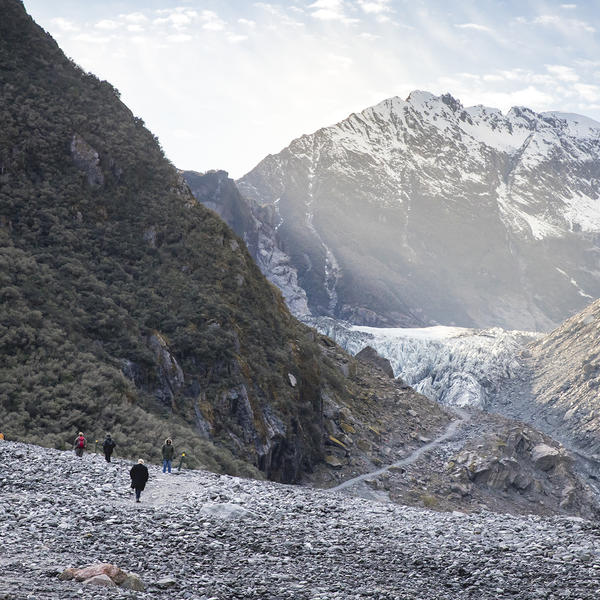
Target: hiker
point(1, 436)
point(79, 445)
point(139, 477)
point(108, 445)
point(168, 452)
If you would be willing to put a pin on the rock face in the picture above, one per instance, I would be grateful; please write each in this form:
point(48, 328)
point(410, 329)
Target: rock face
point(518, 458)
point(303, 544)
point(423, 211)
point(87, 160)
point(258, 226)
point(565, 379)
point(370, 355)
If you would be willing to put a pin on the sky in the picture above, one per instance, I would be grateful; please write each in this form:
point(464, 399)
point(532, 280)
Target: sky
point(224, 83)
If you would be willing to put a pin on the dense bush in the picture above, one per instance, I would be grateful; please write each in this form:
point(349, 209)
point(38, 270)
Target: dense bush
point(99, 255)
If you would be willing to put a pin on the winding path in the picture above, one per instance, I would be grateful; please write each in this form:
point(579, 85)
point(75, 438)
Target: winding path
point(463, 415)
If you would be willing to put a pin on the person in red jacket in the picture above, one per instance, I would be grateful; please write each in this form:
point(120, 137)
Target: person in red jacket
point(79, 445)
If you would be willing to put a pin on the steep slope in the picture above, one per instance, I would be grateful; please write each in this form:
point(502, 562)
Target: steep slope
point(129, 307)
point(422, 211)
point(566, 379)
point(258, 226)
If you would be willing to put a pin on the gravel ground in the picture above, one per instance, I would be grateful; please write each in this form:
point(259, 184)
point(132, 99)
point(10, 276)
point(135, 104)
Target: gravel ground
point(224, 538)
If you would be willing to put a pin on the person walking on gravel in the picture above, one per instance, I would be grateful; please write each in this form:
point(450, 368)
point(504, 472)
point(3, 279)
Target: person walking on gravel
point(139, 477)
point(168, 452)
point(108, 445)
point(79, 445)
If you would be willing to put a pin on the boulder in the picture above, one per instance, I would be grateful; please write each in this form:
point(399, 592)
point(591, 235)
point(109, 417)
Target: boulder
point(369, 355)
point(133, 582)
point(89, 572)
point(226, 511)
point(334, 461)
point(117, 575)
point(100, 580)
point(545, 457)
point(166, 582)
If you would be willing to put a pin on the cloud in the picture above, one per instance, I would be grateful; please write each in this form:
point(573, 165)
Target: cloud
point(179, 18)
point(89, 38)
point(562, 73)
point(474, 26)
point(564, 25)
point(64, 24)
point(211, 21)
point(107, 24)
point(135, 18)
point(180, 38)
point(235, 38)
point(247, 22)
point(368, 36)
point(590, 93)
point(375, 6)
point(330, 10)
point(568, 6)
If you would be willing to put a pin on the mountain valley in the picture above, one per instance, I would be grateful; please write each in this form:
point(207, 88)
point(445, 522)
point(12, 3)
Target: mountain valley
point(377, 352)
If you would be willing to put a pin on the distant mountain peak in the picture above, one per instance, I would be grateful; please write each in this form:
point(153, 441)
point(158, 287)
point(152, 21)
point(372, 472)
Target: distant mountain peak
point(397, 212)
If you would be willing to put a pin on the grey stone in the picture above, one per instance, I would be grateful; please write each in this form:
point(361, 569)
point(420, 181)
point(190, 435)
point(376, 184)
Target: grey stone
point(100, 580)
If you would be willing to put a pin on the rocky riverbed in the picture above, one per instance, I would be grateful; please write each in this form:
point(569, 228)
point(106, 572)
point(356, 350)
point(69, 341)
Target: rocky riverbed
point(197, 535)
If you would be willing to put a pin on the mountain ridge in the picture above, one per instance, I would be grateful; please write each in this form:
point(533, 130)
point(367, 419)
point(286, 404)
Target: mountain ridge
point(510, 190)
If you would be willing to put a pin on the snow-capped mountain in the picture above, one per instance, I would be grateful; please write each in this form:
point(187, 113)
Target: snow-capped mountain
point(452, 365)
point(423, 211)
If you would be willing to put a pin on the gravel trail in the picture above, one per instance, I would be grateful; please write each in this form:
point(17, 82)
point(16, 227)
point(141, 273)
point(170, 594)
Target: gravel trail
point(450, 432)
point(224, 538)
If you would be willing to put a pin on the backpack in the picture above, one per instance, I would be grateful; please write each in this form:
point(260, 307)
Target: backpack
point(81, 442)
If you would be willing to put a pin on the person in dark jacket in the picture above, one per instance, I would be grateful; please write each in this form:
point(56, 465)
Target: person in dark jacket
point(108, 445)
point(139, 476)
point(168, 452)
point(80, 444)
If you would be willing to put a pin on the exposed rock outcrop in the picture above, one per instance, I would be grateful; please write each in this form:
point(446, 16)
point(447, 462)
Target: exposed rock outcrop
point(258, 226)
point(370, 355)
point(87, 160)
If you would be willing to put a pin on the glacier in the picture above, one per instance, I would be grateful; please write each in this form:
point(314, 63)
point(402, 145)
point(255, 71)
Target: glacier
point(455, 366)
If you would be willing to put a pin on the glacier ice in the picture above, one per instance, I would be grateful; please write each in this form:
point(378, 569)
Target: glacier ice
point(455, 366)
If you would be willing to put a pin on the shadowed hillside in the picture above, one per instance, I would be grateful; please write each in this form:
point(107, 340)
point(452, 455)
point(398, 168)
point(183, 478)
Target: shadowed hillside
point(129, 307)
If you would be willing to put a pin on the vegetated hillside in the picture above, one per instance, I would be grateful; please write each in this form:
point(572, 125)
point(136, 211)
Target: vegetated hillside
point(424, 211)
point(566, 380)
point(128, 307)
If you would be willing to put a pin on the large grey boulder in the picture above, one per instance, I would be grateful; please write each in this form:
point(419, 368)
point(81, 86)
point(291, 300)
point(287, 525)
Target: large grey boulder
point(545, 457)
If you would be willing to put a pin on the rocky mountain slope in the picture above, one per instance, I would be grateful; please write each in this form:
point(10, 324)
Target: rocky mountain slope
point(549, 381)
point(423, 211)
point(198, 535)
point(128, 307)
point(257, 225)
point(565, 383)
